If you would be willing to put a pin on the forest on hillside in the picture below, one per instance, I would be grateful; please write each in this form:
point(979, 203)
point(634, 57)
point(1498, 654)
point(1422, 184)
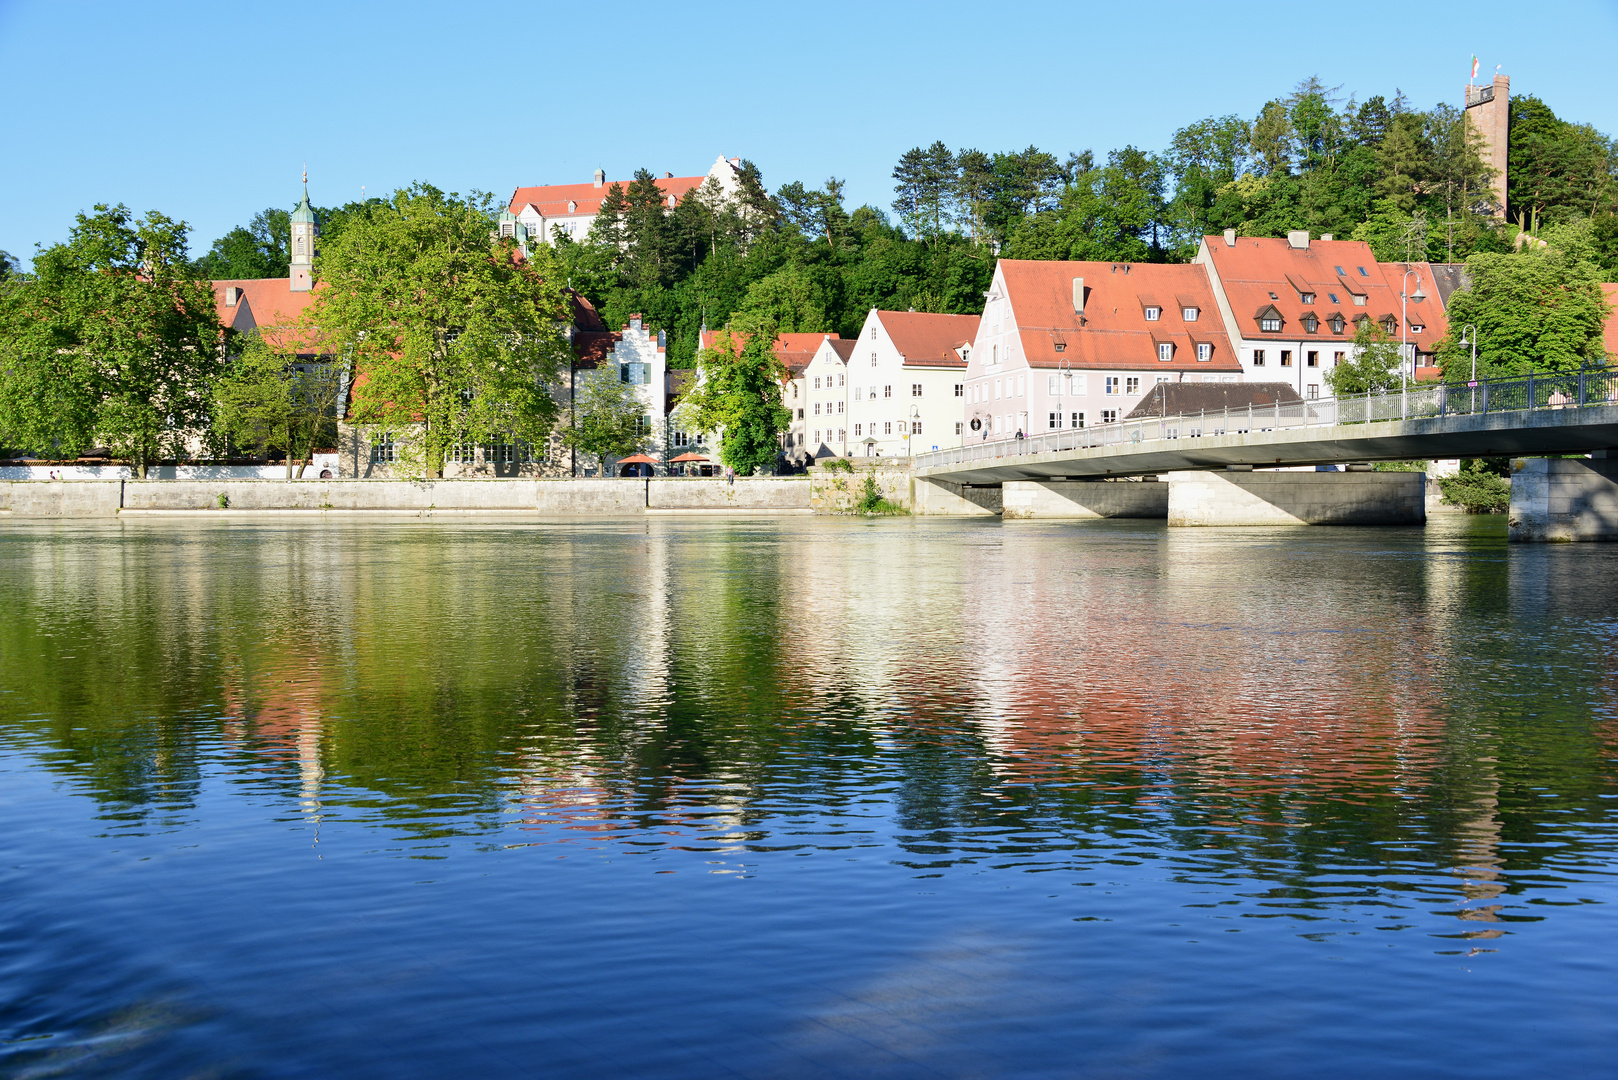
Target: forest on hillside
point(1410, 182)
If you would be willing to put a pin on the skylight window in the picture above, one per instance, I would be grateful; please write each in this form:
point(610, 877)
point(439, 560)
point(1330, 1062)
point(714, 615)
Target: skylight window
point(1339, 270)
point(1333, 297)
point(1274, 297)
point(1362, 271)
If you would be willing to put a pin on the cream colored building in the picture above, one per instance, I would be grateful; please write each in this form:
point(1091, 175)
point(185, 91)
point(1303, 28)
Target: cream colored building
point(906, 383)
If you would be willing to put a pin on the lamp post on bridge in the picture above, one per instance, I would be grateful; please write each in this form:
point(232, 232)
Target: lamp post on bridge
point(1471, 331)
point(1404, 323)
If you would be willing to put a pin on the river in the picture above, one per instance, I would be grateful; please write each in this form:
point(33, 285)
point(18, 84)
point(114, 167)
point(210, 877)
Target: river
point(810, 797)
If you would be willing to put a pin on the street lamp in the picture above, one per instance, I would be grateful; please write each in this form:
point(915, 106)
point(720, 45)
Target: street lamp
point(1470, 331)
point(915, 415)
point(1404, 324)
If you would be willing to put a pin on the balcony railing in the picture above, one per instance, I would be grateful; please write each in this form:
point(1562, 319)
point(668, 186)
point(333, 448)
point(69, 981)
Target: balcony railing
point(1416, 402)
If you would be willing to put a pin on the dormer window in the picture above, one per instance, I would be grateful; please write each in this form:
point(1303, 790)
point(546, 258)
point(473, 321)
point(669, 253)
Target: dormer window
point(1359, 299)
point(1337, 324)
point(1153, 313)
point(1310, 323)
point(1189, 314)
point(1389, 325)
point(1416, 328)
point(1307, 297)
point(1270, 324)
point(572, 207)
point(1165, 351)
point(1204, 351)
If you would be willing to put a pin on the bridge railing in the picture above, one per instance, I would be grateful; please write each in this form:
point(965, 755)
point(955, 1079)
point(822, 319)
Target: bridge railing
point(1414, 402)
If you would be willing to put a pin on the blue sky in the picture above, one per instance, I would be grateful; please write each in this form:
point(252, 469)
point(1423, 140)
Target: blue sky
point(208, 111)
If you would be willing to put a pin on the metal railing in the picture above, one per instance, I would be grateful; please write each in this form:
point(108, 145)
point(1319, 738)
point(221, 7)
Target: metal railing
point(1416, 402)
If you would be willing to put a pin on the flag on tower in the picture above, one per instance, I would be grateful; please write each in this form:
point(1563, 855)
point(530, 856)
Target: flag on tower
point(1474, 67)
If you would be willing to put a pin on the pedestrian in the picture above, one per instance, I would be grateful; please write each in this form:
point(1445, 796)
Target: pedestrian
point(730, 476)
point(1019, 434)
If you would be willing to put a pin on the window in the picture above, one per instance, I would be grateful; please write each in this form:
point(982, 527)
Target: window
point(1416, 328)
point(997, 389)
point(682, 438)
point(1022, 385)
point(915, 389)
point(1162, 379)
point(873, 331)
point(873, 355)
point(873, 393)
point(966, 358)
point(957, 427)
point(1270, 324)
point(1390, 325)
point(1361, 269)
point(643, 426)
point(1109, 416)
point(1132, 385)
point(300, 245)
point(1310, 323)
point(1337, 357)
point(1053, 384)
point(887, 427)
point(994, 355)
point(462, 453)
point(1286, 357)
point(1311, 358)
point(840, 378)
point(1055, 421)
point(839, 407)
point(1307, 297)
point(817, 407)
point(1189, 314)
point(1337, 324)
point(794, 389)
point(384, 449)
point(1314, 390)
point(1165, 351)
point(842, 435)
point(1332, 297)
point(500, 453)
point(1339, 270)
point(960, 389)
point(1359, 300)
point(817, 438)
point(800, 414)
point(1077, 383)
point(817, 382)
point(1076, 419)
point(1258, 357)
point(857, 430)
point(1204, 351)
point(1152, 313)
point(1113, 383)
point(887, 391)
point(915, 427)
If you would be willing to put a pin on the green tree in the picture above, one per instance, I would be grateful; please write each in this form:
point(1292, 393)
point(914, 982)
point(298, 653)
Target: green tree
point(608, 418)
point(111, 340)
point(738, 394)
point(1537, 310)
point(270, 397)
point(452, 334)
point(926, 182)
point(261, 249)
point(1372, 364)
point(793, 298)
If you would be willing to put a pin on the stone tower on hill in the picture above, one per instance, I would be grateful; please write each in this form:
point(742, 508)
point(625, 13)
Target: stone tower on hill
point(1488, 108)
point(304, 231)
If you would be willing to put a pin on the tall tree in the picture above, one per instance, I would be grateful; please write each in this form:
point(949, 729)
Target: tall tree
point(454, 337)
point(112, 340)
point(260, 249)
point(270, 397)
point(925, 182)
point(608, 418)
point(738, 394)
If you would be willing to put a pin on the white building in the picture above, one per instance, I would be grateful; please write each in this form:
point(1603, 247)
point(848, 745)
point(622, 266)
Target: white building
point(1294, 305)
point(905, 384)
point(826, 399)
point(638, 355)
point(572, 207)
point(1074, 344)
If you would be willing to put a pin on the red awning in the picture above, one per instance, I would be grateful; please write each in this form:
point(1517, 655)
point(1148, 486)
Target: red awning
point(689, 457)
point(638, 459)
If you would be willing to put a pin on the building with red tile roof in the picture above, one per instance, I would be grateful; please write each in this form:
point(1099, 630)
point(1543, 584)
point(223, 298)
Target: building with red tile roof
point(1074, 344)
point(796, 352)
point(572, 207)
point(904, 385)
point(1293, 305)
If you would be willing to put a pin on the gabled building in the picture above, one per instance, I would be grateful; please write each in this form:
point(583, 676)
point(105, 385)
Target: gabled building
point(825, 401)
point(796, 352)
point(1293, 306)
point(572, 207)
point(906, 383)
point(1073, 344)
point(638, 356)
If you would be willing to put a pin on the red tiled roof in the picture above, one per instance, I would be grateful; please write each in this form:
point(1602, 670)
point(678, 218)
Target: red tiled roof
point(844, 347)
point(584, 313)
point(795, 351)
point(592, 347)
point(552, 200)
point(264, 304)
point(1115, 331)
point(926, 339)
point(1259, 266)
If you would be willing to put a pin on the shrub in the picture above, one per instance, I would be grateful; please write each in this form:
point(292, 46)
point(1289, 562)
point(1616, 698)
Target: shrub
point(872, 500)
point(838, 464)
point(1478, 488)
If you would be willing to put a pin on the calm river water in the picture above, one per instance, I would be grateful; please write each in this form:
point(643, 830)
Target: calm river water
point(687, 798)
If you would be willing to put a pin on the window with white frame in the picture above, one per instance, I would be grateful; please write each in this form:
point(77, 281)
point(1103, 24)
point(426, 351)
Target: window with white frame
point(840, 378)
point(1190, 314)
point(873, 354)
point(1053, 384)
point(915, 389)
point(1055, 421)
point(839, 407)
point(887, 427)
point(1270, 324)
point(682, 438)
point(1109, 416)
point(915, 427)
point(887, 391)
point(817, 382)
point(1132, 385)
point(1153, 313)
point(873, 337)
point(857, 431)
point(1075, 420)
point(1114, 384)
point(462, 454)
point(1204, 351)
point(957, 427)
point(960, 389)
point(817, 408)
point(1165, 351)
point(384, 448)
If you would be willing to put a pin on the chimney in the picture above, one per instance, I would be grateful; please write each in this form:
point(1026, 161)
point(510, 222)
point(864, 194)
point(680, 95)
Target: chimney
point(1230, 237)
point(232, 294)
point(1326, 236)
point(601, 178)
point(1298, 238)
point(1078, 296)
point(668, 176)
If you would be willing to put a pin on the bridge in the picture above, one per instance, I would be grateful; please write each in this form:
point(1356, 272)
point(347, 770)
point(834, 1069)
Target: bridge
point(1536, 417)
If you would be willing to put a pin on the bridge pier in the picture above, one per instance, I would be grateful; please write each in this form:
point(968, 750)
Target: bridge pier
point(1046, 499)
point(1563, 499)
point(1296, 498)
point(944, 499)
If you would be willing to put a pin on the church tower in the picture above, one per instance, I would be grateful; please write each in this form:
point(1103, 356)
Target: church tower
point(304, 231)
point(1488, 110)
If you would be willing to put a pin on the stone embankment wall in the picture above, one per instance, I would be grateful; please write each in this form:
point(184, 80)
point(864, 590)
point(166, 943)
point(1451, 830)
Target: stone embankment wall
point(839, 492)
point(560, 498)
